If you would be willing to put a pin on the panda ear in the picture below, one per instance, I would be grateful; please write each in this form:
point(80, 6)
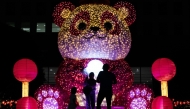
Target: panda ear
point(126, 12)
point(61, 12)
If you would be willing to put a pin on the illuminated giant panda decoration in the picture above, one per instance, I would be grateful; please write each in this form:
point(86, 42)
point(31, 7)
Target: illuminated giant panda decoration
point(94, 32)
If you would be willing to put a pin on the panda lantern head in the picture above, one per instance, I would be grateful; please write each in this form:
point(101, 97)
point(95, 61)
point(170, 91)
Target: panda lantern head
point(94, 29)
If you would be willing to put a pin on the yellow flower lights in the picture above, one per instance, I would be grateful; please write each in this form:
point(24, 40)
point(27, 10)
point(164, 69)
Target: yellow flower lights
point(95, 30)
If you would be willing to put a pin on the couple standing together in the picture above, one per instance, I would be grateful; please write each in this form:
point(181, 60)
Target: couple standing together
point(106, 79)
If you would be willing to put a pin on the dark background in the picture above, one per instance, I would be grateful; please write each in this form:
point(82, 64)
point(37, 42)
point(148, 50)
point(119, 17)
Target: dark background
point(161, 29)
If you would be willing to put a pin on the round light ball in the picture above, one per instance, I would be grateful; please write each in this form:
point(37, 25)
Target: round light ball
point(25, 70)
point(163, 69)
point(26, 103)
point(162, 102)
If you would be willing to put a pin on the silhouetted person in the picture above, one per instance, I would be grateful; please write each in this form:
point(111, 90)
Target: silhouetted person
point(90, 85)
point(106, 79)
point(73, 100)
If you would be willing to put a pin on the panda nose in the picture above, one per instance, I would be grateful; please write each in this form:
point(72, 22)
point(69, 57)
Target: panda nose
point(94, 28)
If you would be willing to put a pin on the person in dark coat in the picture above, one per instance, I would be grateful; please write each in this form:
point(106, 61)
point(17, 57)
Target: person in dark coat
point(89, 91)
point(106, 79)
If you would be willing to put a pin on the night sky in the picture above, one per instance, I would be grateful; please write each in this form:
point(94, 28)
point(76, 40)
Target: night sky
point(161, 29)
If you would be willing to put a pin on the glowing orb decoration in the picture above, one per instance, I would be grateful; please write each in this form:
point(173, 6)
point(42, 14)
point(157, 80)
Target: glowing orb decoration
point(163, 69)
point(49, 97)
point(26, 103)
point(139, 97)
point(95, 30)
point(162, 102)
point(73, 71)
point(25, 70)
point(94, 66)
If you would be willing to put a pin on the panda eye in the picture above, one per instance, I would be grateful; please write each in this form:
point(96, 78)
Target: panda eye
point(82, 26)
point(107, 26)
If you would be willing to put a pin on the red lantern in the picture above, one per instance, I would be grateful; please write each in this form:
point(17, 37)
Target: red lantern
point(26, 103)
point(163, 69)
point(25, 70)
point(162, 102)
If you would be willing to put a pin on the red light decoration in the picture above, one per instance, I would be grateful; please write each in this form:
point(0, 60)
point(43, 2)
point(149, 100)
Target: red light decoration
point(163, 69)
point(131, 11)
point(84, 17)
point(139, 97)
point(26, 103)
point(70, 73)
point(162, 102)
point(57, 14)
point(25, 70)
point(49, 97)
point(108, 16)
